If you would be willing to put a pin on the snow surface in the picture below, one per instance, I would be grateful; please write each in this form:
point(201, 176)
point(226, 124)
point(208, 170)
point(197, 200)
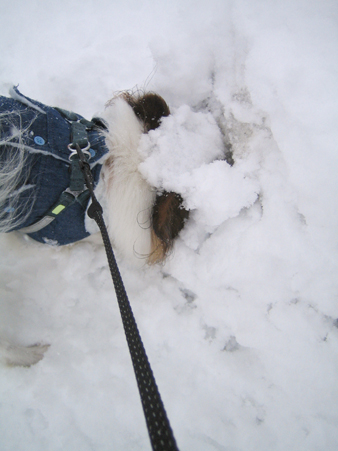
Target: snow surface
point(240, 325)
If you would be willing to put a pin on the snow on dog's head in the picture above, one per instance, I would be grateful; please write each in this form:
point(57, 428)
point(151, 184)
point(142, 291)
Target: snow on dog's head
point(142, 224)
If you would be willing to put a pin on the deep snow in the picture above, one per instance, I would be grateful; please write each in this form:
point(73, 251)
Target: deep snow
point(240, 325)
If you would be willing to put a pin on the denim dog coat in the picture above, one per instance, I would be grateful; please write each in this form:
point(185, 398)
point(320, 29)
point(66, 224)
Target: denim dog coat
point(44, 134)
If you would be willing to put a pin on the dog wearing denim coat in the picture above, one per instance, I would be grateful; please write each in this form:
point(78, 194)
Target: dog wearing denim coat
point(35, 172)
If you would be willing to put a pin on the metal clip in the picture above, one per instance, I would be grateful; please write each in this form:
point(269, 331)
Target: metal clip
point(73, 151)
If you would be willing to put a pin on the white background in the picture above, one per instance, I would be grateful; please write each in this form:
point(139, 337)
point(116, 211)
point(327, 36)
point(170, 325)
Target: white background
point(240, 324)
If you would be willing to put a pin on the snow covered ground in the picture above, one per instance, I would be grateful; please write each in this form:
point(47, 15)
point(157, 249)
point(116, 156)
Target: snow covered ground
point(240, 325)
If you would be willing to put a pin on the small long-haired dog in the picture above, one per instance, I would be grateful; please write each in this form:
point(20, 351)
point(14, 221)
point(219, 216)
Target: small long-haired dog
point(35, 174)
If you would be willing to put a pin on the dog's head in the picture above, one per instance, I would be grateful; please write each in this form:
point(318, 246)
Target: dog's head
point(167, 215)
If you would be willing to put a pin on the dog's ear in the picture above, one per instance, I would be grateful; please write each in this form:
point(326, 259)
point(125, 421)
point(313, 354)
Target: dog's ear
point(168, 220)
point(149, 108)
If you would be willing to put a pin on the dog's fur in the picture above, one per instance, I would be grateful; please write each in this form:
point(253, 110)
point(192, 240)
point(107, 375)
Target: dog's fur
point(142, 222)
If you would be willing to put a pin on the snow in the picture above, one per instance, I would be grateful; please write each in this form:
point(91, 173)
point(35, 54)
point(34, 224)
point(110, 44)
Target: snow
point(240, 324)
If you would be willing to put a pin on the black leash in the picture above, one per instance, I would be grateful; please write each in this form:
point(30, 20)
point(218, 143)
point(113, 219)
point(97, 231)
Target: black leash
point(160, 432)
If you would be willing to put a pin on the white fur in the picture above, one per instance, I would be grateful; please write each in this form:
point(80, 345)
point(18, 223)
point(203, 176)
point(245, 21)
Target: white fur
point(126, 197)
point(10, 174)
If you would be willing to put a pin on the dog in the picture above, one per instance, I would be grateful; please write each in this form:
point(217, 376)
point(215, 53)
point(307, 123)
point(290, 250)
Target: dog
point(37, 195)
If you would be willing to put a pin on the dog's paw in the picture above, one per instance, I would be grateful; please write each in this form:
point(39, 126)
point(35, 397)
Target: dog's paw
point(15, 355)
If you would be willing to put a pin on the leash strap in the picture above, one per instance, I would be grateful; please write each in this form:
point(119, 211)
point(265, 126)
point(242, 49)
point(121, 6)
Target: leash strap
point(159, 429)
point(66, 199)
point(76, 192)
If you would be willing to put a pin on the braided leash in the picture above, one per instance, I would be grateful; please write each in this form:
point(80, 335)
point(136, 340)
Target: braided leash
point(159, 429)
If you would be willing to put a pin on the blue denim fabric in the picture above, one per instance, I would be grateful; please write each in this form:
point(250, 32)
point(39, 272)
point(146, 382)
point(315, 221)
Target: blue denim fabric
point(46, 135)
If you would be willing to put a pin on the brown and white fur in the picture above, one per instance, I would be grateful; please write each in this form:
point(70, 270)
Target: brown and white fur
point(142, 222)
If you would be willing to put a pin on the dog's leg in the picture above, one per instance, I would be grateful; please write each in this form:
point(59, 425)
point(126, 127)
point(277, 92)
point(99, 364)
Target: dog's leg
point(15, 355)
